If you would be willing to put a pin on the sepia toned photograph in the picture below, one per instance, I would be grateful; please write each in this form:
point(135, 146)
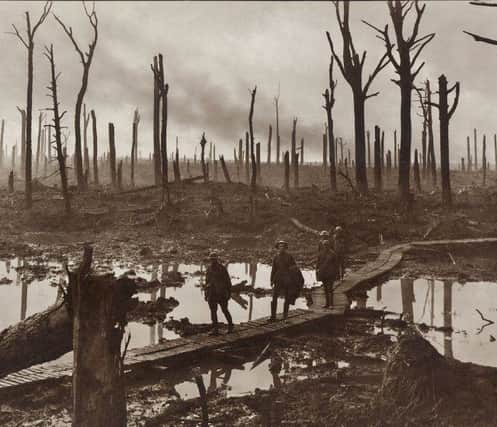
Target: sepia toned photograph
point(248, 213)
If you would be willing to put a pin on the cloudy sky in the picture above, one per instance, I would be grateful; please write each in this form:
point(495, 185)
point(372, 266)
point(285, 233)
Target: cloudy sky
point(216, 51)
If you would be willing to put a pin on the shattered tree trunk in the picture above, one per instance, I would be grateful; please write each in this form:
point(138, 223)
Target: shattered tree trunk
point(205, 173)
point(112, 156)
point(247, 157)
point(134, 146)
point(258, 161)
point(156, 124)
point(270, 135)
point(325, 153)
point(95, 146)
point(468, 147)
point(484, 159)
point(253, 181)
point(38, 145)
point(378, 185)
point(369, 149)
point(475, 142)
point(2, 156)
point(286, 160)
point(120, 175)
point(176, 169)
point(99, 305)
point(417, 178)
point(225, 170)
point(431, 143)
point(11, 190)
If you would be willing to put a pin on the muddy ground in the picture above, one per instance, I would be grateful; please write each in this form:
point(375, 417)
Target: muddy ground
point(129, 227)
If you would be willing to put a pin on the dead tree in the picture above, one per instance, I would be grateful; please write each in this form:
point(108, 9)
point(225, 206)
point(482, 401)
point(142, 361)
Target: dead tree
point(432, 162)
point(424, 115)
point(484, 159)
point(378, 183)
point(205, 173)
point(329, 102)
point(156, 122)
point(247, 158)
point(293, 153)
point(258, 161)
point(389, 163)
point(408, 48)
point(225, 170)
point(95, 146)
point(417, 178)
point(120, 175)
point(270, 135)
point(38, 144)
point(176, 169)
point(240, 155)
point(112, 156)
point(495, 151)
point(325, 151)
point(351, 65)
point(468, 149)
point(28, 41)
point(276, 104)
point(395, 148)
point(445, 113)
point(134, 145)
point(11, 182)
point(86, 154)
point(302, 151)
point(286, 159)
point(253, 181)
point(99, 306)
point(369, 148)
point(23, 139)
point(475, 144)
point(3, 157)
point(86, 60)
point(57, 126)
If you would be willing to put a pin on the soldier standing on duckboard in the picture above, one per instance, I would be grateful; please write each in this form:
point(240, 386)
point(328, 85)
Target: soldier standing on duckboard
point(218, 292)
point(282, 277)
point(327, 270)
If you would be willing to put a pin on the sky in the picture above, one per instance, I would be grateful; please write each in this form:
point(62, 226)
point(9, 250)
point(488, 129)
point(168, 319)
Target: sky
point(215, 52)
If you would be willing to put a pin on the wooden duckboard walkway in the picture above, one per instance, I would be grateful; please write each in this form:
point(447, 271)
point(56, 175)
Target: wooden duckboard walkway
point(196, 344)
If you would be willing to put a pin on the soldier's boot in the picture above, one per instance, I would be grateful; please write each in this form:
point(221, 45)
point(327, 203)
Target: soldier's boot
point(214, 331)
point(327, 296)
point(274, 303)
point(285, 309)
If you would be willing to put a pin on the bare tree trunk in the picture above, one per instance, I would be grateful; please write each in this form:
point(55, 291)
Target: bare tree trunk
point(247, 158)
point(431, 142)
point(134, 146)
point(11, 190)
point(112, 156)
point(86, 158)
point(38, 145)
point(99, 305)
point(3, 157)
point(120, 175)
point(270, 135)
point(417, 179)
point(389, 163)
point(258, 161)
point(240, 155)
point(382, 150)
point(395, 149)
point(95, 147)
point(325, 153)
point(253, 181)
point(296, 171)
point(156, 124)
point(369, 148)
point(360, 146)
point(276, 103)
point(57, 116)
point(484, 159)
point(378, 184)
point(495, 151)
point(301, 151)
point(205, 173)
point(468, 147)
point(293, 154)
point(225, 170)
point(286, 159)
point(475, 142)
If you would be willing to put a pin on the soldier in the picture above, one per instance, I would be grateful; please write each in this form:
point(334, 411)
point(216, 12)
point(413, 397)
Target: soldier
point(327, 270)
point(218, 292)
point(281, 278)
point(340, 247)
point(323, 235)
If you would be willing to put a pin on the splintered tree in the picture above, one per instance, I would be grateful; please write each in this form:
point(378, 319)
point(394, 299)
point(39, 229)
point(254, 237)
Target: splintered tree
point(134, 145)
point(95, 146)
point(329, 102)
point(156, 122)
point(278, 141)
point(408, 48)
point(253, 180)
point(86, 60)
point(28, 41)
point(351, 65)
point(445, 114)
point(57, 117)
point(205, 174)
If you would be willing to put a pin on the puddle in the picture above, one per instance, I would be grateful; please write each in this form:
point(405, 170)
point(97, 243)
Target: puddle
point(23, 294)
point(449, 305)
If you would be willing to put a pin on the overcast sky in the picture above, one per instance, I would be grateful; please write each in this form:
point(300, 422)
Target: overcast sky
point(216, 51)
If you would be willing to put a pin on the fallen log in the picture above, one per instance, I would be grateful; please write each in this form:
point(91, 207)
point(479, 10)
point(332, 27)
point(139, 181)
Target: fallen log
point(46, 335)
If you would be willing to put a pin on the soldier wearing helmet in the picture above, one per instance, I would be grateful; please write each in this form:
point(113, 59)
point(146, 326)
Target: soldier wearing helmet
point(218, 291)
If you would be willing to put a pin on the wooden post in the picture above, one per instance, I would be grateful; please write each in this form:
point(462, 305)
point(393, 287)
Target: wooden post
point(417, 178)
point(484, 159)
point(112, 156)
point(377, 160)
point(287, 171)
point(99, 305)
point(270, 135)
point(225, 169)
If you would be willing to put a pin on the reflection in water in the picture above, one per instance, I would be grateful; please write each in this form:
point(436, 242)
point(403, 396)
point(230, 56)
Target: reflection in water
point(449, 309)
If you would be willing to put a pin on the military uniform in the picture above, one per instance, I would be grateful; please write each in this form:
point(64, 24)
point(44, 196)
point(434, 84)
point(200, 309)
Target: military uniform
point(327, 271)
point(340, 247)
point(218, 292)
point(283, 275)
